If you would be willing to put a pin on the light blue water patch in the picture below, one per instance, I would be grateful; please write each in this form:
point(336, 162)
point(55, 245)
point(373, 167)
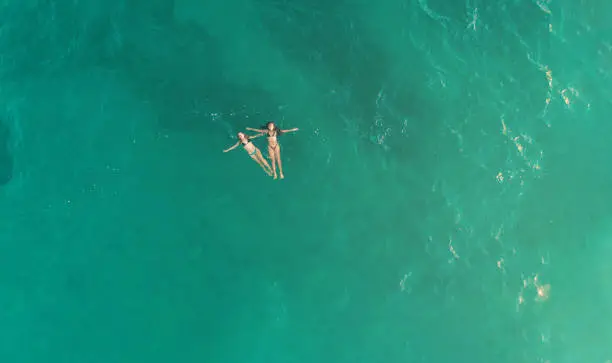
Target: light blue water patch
point(446, 196)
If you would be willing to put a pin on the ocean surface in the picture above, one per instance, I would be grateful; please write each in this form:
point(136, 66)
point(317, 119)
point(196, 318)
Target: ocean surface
point(447, 198)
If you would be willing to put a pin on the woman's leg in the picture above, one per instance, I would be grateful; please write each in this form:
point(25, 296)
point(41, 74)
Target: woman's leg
point(278, 160)
point(263, 162)
point(272, 155)
point(254, 157)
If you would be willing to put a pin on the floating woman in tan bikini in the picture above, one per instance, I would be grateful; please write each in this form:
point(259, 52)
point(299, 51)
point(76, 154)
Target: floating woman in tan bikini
point(253, 151)
point(273, 146)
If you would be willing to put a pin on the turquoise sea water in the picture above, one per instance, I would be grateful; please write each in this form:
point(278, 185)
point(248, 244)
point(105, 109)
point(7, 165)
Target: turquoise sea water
point(452, 164)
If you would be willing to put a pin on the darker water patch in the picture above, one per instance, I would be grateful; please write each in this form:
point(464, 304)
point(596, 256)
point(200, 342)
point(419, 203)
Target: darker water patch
point(328, 41)
point(186, 89)
point(6, 158)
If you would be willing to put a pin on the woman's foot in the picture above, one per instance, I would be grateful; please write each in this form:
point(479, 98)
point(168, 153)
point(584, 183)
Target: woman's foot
point(275, 177)
point(282, 176)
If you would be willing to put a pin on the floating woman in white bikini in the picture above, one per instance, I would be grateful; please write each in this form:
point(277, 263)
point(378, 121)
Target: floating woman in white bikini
point(273, 146)
point(253, 151)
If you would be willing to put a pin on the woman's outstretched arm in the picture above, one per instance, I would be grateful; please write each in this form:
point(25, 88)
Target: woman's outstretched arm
point(256, 130)
point(232, 147)
point(290, 130)
point(254, 136)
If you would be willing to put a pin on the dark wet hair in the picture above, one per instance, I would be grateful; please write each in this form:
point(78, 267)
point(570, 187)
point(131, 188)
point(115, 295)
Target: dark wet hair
point(275, 129)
